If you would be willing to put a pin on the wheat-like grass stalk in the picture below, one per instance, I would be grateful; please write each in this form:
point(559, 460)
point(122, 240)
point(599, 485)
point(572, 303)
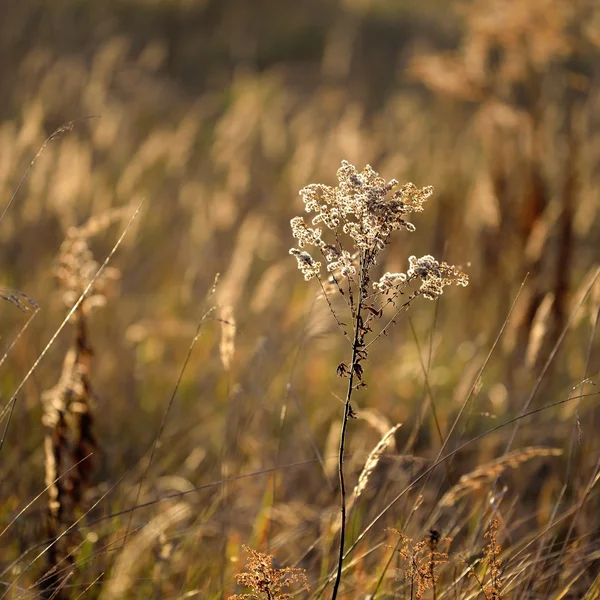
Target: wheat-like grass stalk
point(487, 473)
point(372, 461)
point(228, 330)
point(368, 469)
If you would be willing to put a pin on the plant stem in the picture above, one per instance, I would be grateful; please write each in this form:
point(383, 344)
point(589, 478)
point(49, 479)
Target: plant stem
point(347, 412)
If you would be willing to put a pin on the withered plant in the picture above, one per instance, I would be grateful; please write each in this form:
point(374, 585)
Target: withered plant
point(68, 407)
point(493, 549)
point(266, 581)
point(361, 214)
point(493, 569)
point(423, 561)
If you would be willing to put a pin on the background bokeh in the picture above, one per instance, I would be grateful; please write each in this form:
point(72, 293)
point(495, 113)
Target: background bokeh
point(215, 113)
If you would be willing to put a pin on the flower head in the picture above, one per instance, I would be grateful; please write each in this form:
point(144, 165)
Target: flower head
point(365, 209)
point(265, 580)
point(306, 263)
point(434, 275)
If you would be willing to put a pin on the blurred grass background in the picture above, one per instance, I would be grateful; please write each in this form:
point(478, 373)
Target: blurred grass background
point(216, 113)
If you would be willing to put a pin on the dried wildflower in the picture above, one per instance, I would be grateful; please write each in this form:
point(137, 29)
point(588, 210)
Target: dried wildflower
point(434, 275)
point(344, 263)
point(493, 549)
point(365, 208)
point(390, 281)
point(423, 560)
point(306, 263)
point(361, 206)
point(491, 590)
point(304, 234)
point(265, 581)
point(361, 214)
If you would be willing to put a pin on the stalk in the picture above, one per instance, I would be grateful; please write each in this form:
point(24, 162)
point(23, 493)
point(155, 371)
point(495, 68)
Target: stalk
point(347, 412)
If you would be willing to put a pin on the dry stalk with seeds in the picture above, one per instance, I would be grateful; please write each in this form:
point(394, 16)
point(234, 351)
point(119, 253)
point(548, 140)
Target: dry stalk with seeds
point(373, 460)
point(493, 549)
point(491, 589)
point(371, 464)
point(22, 301)
point(423, 560)
point(266, 581)
point(486, 474)
point(361, 214)
point(68, 407)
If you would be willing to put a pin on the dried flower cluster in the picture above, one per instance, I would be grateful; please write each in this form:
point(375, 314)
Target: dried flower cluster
point(365, 208)
point(423, 561)
point(493, 569)
point(434, 277)
point(361, 213)
point(265, 581)
point(493, 549)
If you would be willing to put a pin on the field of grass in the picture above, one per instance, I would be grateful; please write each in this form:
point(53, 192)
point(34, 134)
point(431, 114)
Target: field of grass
point(174, 392)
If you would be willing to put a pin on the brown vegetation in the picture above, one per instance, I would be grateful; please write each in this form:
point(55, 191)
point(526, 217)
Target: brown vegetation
point(207, 418)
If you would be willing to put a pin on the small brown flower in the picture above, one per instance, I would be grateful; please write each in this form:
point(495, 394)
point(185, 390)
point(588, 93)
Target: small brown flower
point(265, 581)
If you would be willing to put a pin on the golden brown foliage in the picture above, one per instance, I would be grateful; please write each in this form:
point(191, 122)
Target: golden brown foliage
point(217, 112)
point(266, 581)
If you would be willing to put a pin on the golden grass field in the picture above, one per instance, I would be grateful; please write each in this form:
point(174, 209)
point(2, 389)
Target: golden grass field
point(170, 407)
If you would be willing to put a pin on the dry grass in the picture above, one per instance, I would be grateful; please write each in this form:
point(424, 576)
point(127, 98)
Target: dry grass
point(485, 475)
point(216, 115)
